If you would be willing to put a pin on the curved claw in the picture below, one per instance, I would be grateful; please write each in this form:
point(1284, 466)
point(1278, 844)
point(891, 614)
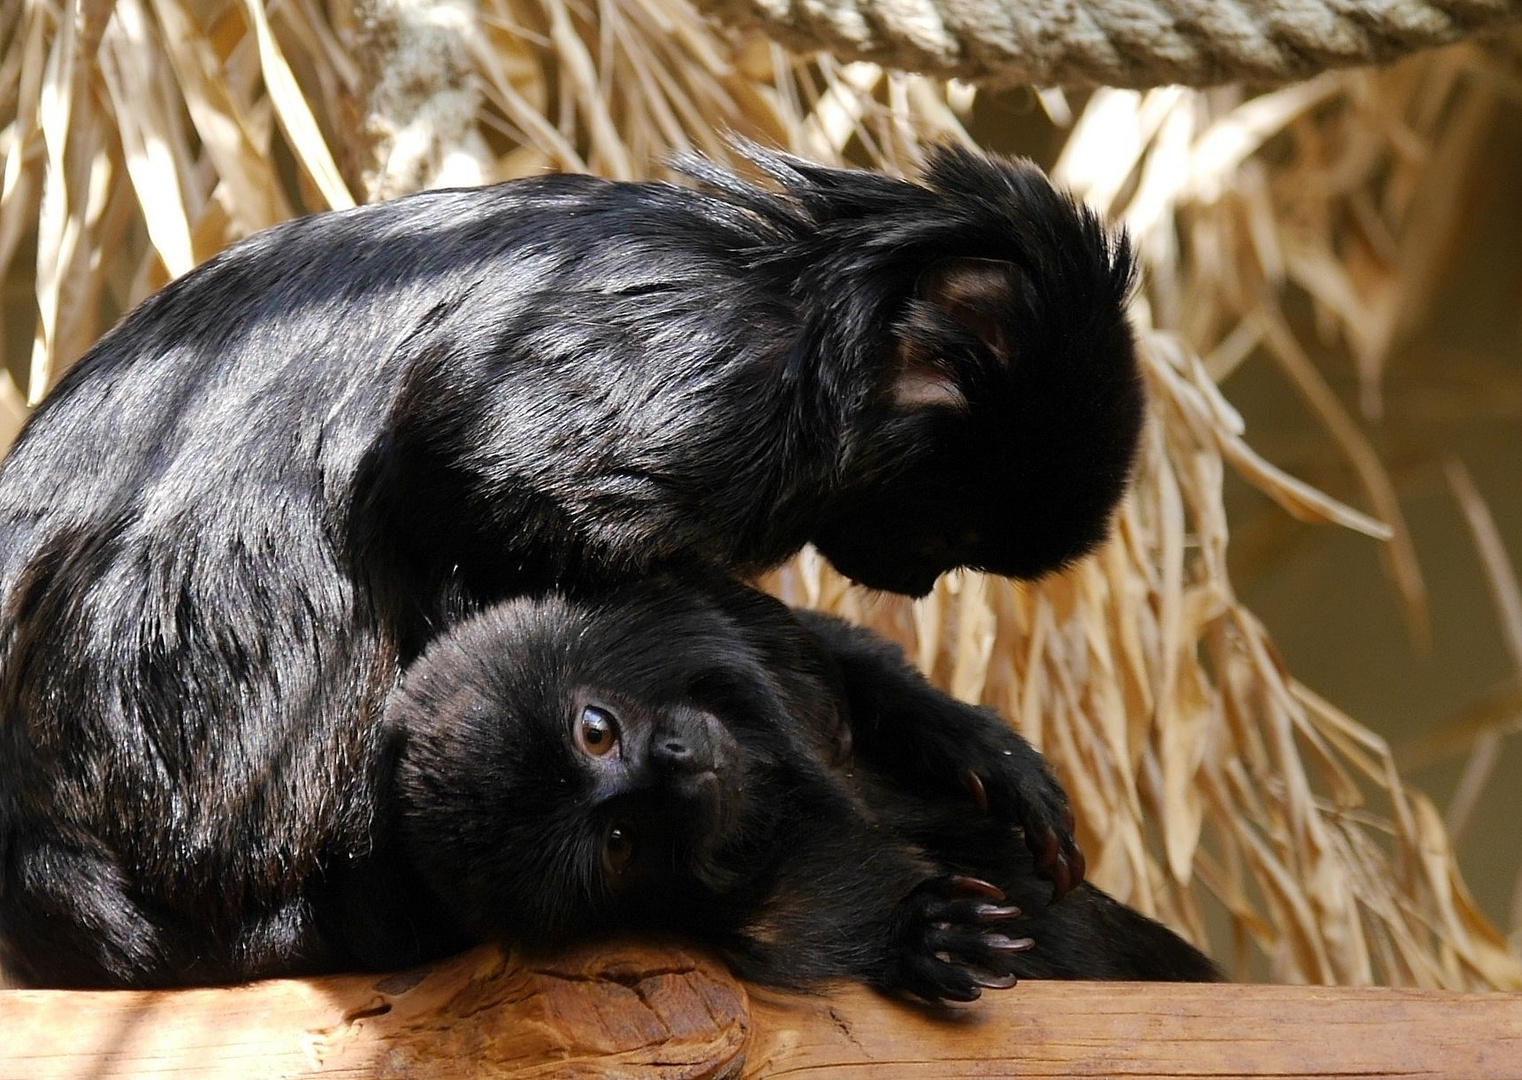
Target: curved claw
point(994, 982)
point(972, 993)
point(1062, 884)
point(977, 886)
point(1049, 860)
point(1002, 943)
point(979, 792)
point(997, 912)
point(1059, 860)
point(1077, 866)
point(1050, 854)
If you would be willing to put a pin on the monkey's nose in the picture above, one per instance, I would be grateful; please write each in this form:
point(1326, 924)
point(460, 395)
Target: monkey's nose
point(679, 754)
point(684, 752)
point(674, 749)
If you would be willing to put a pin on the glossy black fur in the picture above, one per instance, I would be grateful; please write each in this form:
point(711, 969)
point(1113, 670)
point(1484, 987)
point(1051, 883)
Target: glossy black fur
point(256, 498)
point(812, 825)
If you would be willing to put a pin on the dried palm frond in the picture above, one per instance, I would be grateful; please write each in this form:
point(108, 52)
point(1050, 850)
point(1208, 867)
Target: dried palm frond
point(140, 136)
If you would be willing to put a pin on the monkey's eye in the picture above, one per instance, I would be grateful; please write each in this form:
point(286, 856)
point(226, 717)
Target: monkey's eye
point(618, 849)
point(596, 732)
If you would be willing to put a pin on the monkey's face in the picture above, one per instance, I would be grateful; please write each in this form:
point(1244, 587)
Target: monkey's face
point(961, 500)
point(663, 800)
point(1011, 414)
point(564, 768)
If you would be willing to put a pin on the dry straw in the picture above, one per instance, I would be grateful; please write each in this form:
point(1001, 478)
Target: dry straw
point(140, 136)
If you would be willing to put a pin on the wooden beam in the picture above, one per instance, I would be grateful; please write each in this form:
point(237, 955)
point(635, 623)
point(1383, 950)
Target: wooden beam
point(1142, 1031)
point(593, 1012)
point(672, 1012)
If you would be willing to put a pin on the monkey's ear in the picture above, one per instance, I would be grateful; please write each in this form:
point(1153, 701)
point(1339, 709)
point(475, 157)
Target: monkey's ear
point(979, 295)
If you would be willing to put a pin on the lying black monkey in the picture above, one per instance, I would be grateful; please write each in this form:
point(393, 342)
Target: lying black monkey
point(695, 762)
point(275, 480)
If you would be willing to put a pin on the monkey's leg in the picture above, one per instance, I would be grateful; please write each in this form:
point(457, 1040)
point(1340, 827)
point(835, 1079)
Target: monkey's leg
point(928, 743)
point(68, 919)
point(71, 918)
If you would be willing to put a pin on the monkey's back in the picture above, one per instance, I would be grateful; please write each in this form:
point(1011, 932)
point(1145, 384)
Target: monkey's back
point(193, 653)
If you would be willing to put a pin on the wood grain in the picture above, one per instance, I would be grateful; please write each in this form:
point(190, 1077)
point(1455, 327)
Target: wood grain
point(636, 1011)
point(642, 1011)
point(1145, 1030)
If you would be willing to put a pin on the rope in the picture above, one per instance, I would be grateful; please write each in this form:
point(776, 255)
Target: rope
point(1118, 42)
point(421, 96)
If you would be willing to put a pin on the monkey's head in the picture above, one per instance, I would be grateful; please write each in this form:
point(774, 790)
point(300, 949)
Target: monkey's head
point(568, 767)
point(1012, 403)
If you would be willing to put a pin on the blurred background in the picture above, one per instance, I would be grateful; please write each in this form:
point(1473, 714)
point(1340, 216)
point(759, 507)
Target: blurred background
point(1444, 691)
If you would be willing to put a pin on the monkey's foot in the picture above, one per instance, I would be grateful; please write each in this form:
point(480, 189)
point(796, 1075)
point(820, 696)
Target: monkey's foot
point(952, 940)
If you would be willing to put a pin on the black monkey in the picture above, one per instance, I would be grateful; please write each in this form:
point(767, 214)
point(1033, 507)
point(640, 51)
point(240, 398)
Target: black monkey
point(694, 761)
point(275, 480)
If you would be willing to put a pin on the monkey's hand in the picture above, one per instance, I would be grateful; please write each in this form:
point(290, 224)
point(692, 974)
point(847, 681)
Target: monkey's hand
point(926, 742)
point(952, 941)
point(1009, 779)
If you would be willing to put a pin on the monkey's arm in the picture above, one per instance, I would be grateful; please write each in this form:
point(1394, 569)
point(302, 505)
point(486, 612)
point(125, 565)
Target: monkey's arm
point(925, 741)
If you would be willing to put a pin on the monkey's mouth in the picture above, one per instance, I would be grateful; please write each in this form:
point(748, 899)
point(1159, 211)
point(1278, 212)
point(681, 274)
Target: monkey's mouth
point(913, 582)
point(889, 556)
point(705, 809)
point(710, 812)
point(672, 840)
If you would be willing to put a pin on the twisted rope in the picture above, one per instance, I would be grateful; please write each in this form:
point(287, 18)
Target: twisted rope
point(1119, 42)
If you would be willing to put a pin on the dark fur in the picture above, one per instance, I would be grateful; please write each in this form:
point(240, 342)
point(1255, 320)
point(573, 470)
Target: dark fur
point(757, 835)
point(273, 482)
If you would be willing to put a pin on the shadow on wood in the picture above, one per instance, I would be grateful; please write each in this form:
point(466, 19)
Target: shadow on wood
point(669, 1012)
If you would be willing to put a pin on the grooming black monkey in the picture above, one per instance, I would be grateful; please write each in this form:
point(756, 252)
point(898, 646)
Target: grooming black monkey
point(275, 480)
point(694, 761)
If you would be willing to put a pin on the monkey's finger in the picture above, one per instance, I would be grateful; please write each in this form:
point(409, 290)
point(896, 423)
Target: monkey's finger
point(1057, 859)
point(1077, 865)
point(968, 993)
point(938, 981)
point(1047, 850)
point(982, 948)
point(1058, 870)
point(1069, 872)
point(980, 953)
point(969, 912)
